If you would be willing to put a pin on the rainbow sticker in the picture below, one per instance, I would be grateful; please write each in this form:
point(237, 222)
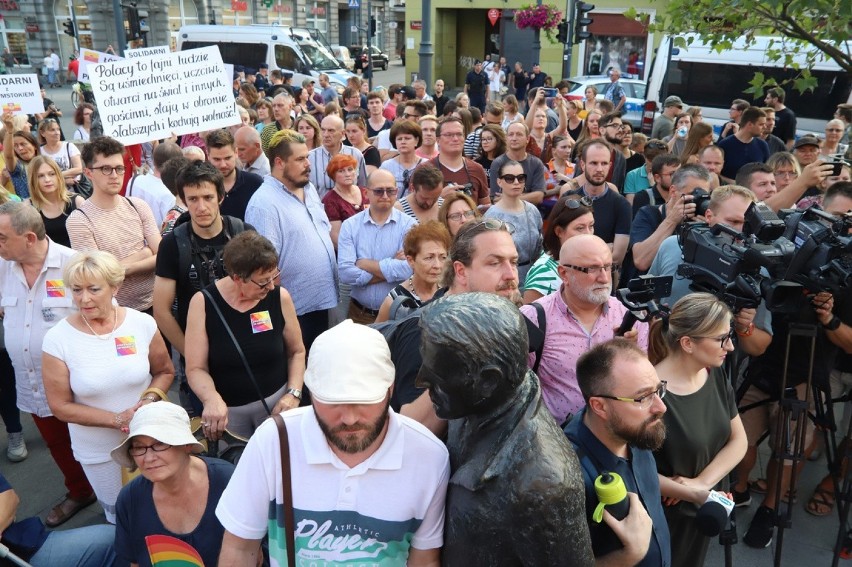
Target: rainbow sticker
point(168, 551)
point(55, 288)
point(260, 322)
point(12, 107)
point(125, 346)
point(91, 56)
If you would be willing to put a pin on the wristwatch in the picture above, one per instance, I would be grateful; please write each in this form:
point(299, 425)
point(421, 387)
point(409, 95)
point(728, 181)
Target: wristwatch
point(833, 324)
point(295, 392)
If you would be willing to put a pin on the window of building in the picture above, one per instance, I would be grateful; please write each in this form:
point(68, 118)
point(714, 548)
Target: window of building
point(317, 16)
point(13, 36)
point(281, 12)
point(239, 12)
point(181, 13)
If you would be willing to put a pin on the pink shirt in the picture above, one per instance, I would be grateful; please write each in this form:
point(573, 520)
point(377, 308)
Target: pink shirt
point(565, 341)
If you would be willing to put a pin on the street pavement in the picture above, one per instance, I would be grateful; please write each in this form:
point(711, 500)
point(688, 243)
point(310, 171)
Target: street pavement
point(809, 543)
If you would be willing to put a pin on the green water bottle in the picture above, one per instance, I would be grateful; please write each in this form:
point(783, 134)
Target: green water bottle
point(612, 495)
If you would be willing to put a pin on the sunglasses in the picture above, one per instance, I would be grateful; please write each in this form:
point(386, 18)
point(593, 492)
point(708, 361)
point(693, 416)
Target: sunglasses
point(577, 203)
point(385, 191)
point(509, 178)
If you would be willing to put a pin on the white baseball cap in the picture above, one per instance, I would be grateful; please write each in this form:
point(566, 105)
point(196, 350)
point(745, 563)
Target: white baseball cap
point(164, 421)
point(349, 364)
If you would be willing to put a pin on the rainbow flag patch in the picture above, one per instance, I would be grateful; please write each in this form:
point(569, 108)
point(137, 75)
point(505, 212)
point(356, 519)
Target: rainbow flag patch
point(260, 322)
point(168, 551)
point(125, 346)
point(55, 288)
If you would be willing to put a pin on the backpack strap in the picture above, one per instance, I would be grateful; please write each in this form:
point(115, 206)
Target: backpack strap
point(542, 325)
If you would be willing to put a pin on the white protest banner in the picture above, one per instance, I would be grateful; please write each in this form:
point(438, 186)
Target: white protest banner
point(150, 98)
point(21, 94)
point(92, 57)
point(146, 51)
point(229, 73)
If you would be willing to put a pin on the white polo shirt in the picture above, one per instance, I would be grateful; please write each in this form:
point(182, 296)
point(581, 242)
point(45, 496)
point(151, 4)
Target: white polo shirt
point(367, 515)
point(29, 314)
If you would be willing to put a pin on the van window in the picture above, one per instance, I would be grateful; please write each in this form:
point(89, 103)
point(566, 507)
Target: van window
point(247, 54)
point(715, 85)
point(286, 58)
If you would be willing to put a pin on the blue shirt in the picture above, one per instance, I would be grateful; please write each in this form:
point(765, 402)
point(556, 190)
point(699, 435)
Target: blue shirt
point(614, 92)
point(737, 154)
point(640, 476)
point(301, 233)
point(360, 237)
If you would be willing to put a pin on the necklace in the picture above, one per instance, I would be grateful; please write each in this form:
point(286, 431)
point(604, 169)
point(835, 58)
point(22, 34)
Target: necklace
point(114, 325)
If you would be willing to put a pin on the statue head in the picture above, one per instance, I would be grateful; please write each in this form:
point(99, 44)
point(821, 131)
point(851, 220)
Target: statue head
point(474, 348)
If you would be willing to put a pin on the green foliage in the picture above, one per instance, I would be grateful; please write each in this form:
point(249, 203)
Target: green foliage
point(813, 29)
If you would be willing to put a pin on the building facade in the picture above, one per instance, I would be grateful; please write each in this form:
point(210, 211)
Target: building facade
point(462, 33)
point(29, 28)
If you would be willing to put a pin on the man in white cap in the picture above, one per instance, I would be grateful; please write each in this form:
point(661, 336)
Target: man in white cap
point(369, 484)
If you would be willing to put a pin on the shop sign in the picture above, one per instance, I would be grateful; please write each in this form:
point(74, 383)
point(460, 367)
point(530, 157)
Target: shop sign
point(417, 24)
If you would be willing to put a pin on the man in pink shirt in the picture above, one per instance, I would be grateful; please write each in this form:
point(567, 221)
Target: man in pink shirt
point(580, 315)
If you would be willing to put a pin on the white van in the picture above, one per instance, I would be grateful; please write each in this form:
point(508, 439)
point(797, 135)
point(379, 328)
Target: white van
point(280, 47)
point(703, 77)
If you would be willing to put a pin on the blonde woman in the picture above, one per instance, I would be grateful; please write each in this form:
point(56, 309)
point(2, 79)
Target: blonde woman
point(51, 198)
point(307, 126)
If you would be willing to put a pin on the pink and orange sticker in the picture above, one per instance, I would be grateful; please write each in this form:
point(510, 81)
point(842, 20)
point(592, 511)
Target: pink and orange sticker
point(125, 346)
point(55, 288)
point(260, 322)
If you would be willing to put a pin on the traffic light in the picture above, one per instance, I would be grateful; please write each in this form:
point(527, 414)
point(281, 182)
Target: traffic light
point(142, 18)
point(372, 25)
point(137, 21)
point(69, 27)
point(562, 32)
point(582, 22)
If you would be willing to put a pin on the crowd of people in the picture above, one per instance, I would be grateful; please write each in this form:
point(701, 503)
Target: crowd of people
point(321, 215)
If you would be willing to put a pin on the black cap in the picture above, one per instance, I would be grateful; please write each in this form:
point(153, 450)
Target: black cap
point(264, 66)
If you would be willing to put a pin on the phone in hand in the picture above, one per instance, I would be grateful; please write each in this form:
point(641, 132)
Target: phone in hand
point(550, 92)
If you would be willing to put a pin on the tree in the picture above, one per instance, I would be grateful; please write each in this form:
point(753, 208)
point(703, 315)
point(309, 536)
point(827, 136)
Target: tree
point(813, 29)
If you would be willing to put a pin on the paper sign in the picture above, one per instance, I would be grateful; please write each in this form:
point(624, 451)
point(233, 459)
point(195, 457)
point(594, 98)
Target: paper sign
point(147, 51)
point(229, 74)
point(150, 98)
point(90, 56)
point(21, 94)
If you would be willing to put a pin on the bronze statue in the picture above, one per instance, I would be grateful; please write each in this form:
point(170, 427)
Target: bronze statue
point(516, 494)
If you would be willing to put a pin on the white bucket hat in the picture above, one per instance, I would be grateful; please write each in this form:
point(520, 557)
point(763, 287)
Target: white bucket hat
point(164, 421)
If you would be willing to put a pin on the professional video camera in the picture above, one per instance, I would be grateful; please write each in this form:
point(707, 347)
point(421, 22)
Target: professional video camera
point(727, 263)
point(823, 260)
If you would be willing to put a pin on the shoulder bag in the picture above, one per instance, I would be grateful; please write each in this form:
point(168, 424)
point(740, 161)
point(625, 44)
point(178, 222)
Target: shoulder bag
point(287, 491)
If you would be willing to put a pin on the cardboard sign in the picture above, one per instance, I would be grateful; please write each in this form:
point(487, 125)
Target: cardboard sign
point(150, 98)
point(21, 94)
point(147, 51)
point(92, 57)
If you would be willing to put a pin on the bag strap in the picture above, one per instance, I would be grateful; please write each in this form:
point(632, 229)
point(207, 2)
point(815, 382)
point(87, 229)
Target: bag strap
point(542, 325)
point(287, 490)
point(239, 349)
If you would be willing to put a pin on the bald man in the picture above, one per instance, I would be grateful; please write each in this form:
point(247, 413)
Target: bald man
point(247, 145)
point(581, 314)
point(331, 133)
point(369, 249)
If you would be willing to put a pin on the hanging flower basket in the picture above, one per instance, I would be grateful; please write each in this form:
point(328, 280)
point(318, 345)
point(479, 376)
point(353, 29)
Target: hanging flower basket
point(544, 17)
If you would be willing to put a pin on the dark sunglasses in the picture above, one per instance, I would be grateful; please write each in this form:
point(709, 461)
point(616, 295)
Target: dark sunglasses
point(509, 178)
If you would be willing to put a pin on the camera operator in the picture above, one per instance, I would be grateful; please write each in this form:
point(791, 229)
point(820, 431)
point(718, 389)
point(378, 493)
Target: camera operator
point(832, 316)
point(653, 224)
point(728, 205)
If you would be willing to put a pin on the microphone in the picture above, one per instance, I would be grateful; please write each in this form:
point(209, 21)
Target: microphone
point(713, 514)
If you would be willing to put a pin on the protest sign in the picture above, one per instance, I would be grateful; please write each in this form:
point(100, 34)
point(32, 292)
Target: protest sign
point(229, 73)
point(21, 94)
point(150, 98)
point(92, 57)
point(146, 51)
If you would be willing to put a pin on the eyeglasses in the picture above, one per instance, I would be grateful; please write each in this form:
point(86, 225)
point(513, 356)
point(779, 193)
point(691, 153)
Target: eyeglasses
point(577, 203)
point(109, 170)
point(509, 178)
point(488, 224)
point(452, 135)
point(267, 282)
point(411, 116)
point(834, 129)
point(385, 191)
point(786, 174)
point(617, 126)
point(456, 217)
point(592, 269)
point(139, 450)
point(645, 401)
point(729, 336)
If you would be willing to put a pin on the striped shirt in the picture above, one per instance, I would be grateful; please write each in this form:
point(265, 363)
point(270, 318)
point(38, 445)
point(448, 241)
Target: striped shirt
point(300, 232)
point(406, 208)
point(122, 231)
point(543, 277)
point(401, 174)
point(361, 238)
point(319, 158)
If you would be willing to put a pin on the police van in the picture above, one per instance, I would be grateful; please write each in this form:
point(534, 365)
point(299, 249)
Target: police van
point(711, 79)
point(292, 50)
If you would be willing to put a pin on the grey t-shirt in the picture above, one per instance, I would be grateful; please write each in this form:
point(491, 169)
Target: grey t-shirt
point(533, 168)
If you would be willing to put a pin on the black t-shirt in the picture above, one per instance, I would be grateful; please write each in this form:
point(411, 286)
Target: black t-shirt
point(237, 199)
point(785, 124)
point(612, 215)
point(634, 161)
point(372, 133)
point(440, 101)
point(372, 156)
point(209, 260)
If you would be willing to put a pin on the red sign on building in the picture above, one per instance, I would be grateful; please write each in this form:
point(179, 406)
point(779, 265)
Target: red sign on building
point(417, 24)
point(239, 6)
point(493, 16)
